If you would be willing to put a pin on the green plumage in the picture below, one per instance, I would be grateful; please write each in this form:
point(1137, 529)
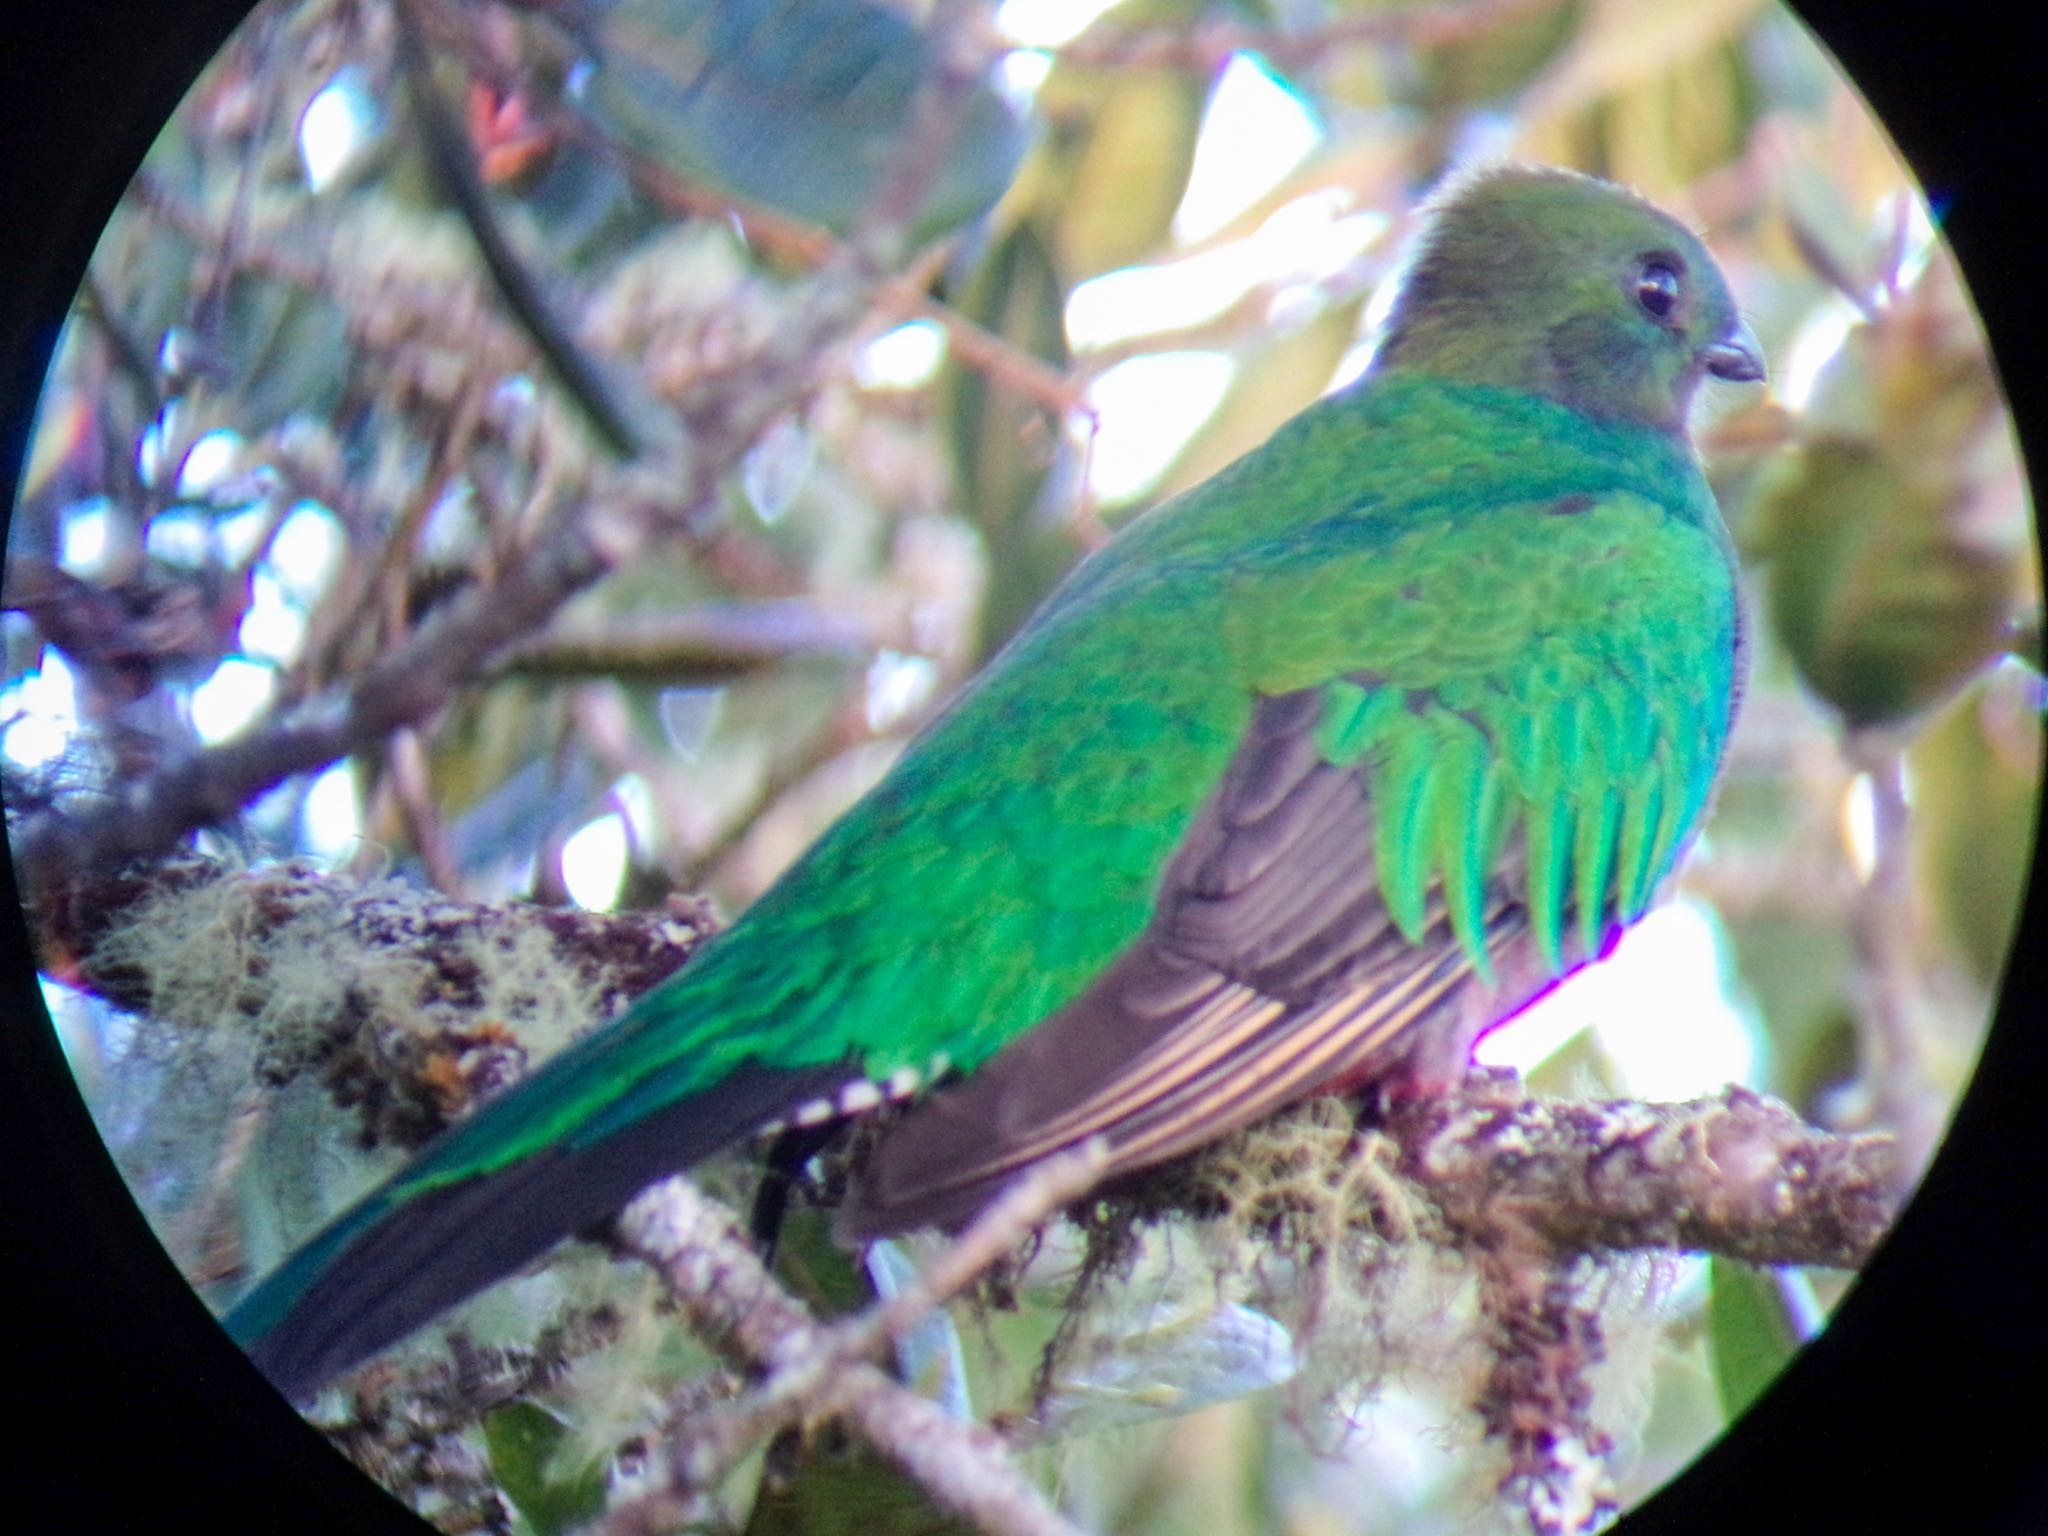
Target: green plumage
point(1349, 749)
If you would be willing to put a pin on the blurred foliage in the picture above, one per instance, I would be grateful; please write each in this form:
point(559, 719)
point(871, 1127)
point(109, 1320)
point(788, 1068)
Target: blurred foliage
point(840, 1490)
point(1754, 1336)
point(1896, 527)
point(526, 1444)
point(1002, 447)
point(803, 109)
point(348, 339)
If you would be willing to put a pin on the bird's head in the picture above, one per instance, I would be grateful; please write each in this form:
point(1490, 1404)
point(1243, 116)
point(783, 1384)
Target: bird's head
point(1569, 287)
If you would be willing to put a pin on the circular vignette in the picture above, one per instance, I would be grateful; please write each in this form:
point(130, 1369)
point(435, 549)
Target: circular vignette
point(133, 1403)
point(140, 1404)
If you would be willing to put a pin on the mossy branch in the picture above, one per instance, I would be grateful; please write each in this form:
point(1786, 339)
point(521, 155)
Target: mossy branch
point(1533, 1204)
point(408, 1004)
point(1734, 1174)
point(1537, 1192)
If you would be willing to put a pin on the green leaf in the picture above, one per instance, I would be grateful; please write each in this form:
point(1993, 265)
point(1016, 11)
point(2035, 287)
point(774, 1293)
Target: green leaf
point(1755, 1332)
point(1129, 172)
point(1491, 62)
point(285, 344)
point(827, 1277)
point(1165, 1359)
point(798, 104)
point(823, 1490)
point(1976, 773)
point(1898, 529)
point(1883, 613)
point(551, 1491)
point(1003, 444)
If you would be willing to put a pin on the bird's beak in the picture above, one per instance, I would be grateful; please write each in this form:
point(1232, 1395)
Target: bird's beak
point(1736, 357)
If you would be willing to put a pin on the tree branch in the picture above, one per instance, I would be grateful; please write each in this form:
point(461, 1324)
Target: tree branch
point(1881, 923)
point(1530, 1201)
point(1537, 1400)
point(1734, 1173)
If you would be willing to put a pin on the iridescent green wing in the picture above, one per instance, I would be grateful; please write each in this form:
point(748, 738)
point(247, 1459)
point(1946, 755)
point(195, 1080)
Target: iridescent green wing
point(1395, 856)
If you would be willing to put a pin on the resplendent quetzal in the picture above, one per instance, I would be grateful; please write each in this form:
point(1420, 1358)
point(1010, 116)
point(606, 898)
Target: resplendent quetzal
point(1308, 775)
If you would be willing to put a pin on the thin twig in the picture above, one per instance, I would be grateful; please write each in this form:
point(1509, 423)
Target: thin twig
point(450, 157)
point(1881, 924)
point(709, 643)
point(804, 1371)
point(714, 864)
point(407, 774)
point(208, 1246)
point(132, 360)
point(208, 786)
point(1039, 1193)
point(732, 1301)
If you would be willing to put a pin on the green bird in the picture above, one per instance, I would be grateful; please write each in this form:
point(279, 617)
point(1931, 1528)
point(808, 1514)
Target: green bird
point(1309, 775)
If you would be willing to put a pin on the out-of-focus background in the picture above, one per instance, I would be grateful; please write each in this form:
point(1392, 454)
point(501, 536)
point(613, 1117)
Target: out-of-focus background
point(293, 417)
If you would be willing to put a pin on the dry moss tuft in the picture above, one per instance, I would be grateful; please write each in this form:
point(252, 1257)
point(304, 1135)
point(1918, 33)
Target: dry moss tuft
point(1324, 1224)
point(407, 1004)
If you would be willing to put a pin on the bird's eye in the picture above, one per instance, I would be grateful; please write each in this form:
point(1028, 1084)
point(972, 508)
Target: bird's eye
point(1657, 289)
